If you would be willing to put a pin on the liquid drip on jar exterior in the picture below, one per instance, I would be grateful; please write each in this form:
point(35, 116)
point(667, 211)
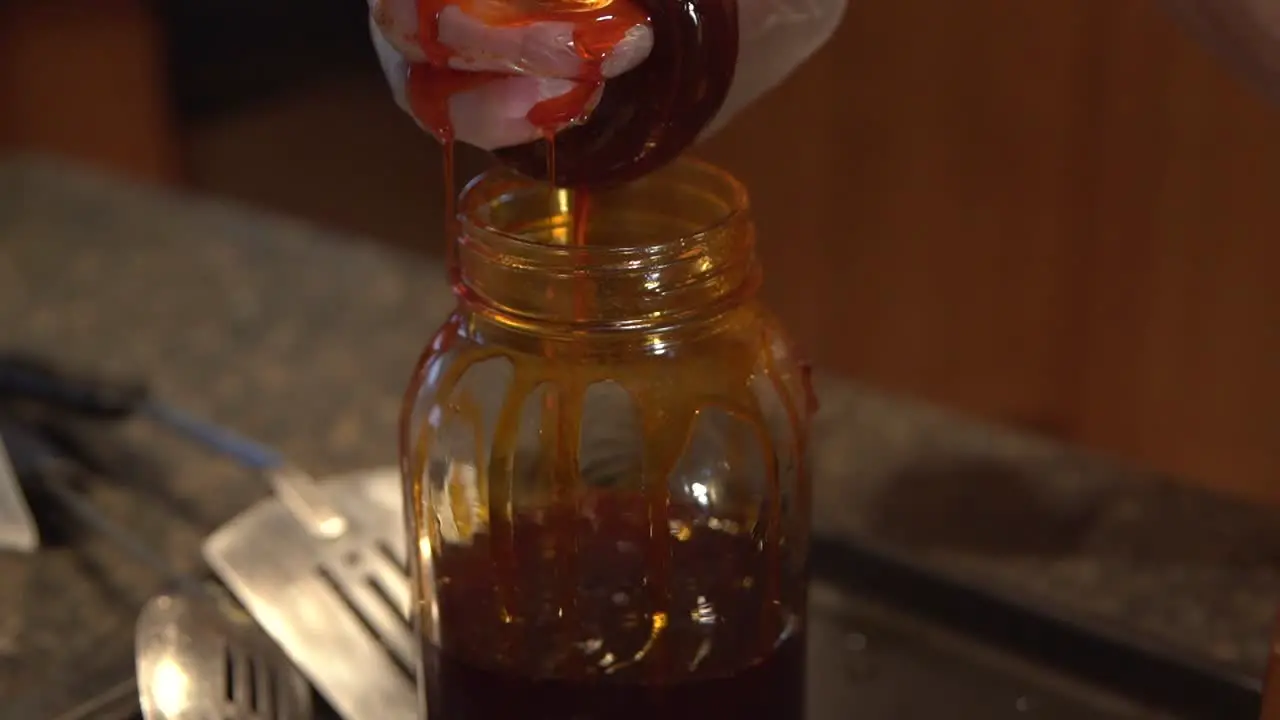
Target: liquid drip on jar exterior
point(523, 586)
point(534, 653)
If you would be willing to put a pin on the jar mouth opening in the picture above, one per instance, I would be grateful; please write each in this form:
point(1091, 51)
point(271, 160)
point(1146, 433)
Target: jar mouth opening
point(660, 214)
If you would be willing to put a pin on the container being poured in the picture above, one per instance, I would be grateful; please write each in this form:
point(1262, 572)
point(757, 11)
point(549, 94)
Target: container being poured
point(590, 134)
point(596, 133)
point(603, 447)
point(604, 457)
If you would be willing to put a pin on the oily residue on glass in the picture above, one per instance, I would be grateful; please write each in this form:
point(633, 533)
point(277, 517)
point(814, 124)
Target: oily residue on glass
point(608, 601)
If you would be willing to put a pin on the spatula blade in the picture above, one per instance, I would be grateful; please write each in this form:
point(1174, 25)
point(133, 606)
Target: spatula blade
point(335, 606)
point(18, 531)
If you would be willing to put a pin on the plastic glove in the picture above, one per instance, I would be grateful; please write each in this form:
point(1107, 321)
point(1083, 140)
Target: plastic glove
point(1246, 33)
point(539, 60)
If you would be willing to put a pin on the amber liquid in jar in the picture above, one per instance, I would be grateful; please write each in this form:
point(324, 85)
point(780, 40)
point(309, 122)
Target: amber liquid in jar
point(604, 463)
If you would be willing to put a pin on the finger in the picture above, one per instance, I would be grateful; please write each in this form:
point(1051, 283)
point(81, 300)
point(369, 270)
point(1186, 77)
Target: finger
point(485, 37)
point(492, 116)
point(546, 49)
point(495, 115)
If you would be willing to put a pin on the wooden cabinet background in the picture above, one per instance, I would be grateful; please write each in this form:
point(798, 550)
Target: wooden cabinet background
point(86, 79)
point(1061, 214)
point(1057, 213)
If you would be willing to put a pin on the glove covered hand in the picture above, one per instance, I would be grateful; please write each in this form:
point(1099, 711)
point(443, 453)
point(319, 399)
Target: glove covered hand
point(525, 60)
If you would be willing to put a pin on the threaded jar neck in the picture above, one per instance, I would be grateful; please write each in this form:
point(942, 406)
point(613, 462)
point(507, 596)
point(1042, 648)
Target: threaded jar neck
point(669, 247)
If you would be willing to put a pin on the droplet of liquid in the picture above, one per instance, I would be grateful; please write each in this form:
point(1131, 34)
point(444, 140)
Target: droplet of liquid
point(681, 530)
point(704, 613)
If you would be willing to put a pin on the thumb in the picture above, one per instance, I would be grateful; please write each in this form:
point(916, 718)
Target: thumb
point(497, 40)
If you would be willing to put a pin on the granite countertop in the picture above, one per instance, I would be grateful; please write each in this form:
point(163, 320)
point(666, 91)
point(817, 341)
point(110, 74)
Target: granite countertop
point(305, 339)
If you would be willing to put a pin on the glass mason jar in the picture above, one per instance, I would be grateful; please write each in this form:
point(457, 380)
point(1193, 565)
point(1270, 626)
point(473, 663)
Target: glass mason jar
point(604, 460)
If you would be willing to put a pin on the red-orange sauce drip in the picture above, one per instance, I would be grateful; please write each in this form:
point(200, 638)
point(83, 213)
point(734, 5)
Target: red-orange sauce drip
point(428, 90)
point(430, 86)
point(597, 30)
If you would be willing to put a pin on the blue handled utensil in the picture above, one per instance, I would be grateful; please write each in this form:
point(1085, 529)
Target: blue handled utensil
point(36, 380)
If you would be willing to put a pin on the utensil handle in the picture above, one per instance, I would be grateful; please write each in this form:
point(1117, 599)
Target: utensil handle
point(37, 379)
point(295, 488)
point(215, 438)
point(35, 457)
point(306, 501)
point(56, 483)
point(40, 380)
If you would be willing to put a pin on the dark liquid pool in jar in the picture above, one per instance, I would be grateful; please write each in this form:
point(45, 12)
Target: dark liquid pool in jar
point(587, 640)
point(771, 689)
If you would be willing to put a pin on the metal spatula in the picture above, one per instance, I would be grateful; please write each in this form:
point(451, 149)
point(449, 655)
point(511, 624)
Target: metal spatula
point(17, 525)
point(198, 656)
point(199, 659)
point(337, 605)
point(18, 533)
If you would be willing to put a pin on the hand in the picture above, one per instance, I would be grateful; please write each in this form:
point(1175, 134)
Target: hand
point(536, 61)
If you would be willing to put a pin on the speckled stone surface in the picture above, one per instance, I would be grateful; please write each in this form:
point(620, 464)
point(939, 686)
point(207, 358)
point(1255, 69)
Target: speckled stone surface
point(304, 340)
